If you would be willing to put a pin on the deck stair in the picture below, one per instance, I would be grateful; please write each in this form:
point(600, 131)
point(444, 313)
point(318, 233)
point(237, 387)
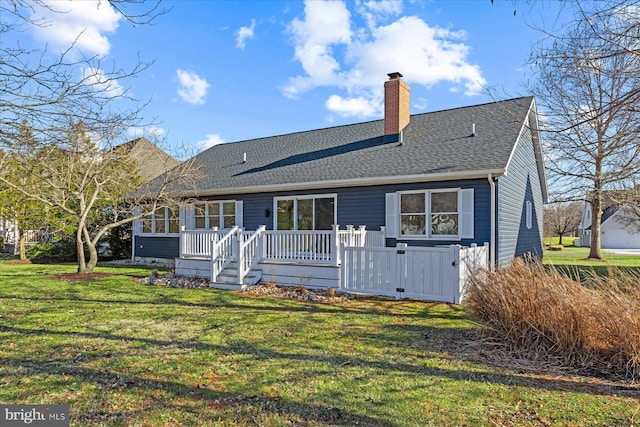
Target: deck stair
point(227, 279)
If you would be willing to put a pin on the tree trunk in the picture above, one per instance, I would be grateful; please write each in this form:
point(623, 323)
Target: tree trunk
point(82, 265)
point(93, 257)
point(596, 217)
point(21, 243)
point(560, 239)
point(93, 252)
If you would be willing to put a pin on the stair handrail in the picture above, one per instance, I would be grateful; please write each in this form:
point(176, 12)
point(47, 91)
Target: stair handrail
point(222, 251)
point(250, 253)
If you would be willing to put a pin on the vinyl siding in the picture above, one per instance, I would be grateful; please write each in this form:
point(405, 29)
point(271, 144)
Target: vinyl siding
point(521, 183)
point(157, 247)
point(356, 206)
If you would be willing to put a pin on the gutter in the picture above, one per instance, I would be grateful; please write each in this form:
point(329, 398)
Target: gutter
point(350, 182)
point(492, 244)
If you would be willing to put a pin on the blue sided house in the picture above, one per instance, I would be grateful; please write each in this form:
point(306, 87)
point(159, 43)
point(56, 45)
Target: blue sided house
point(470, 176)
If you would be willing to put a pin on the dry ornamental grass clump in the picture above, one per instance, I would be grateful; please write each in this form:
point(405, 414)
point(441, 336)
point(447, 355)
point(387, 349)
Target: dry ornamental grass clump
point(542, 314)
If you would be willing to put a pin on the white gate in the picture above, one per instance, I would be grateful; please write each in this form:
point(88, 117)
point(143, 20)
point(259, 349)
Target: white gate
point(436, 274)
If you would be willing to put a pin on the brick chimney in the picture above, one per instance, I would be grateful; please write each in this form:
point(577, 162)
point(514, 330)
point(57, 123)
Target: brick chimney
point(396, 106)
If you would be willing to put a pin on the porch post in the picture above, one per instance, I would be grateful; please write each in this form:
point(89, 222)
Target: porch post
point(349, 241)
point(182, 242)
point(363, 234)
point(456, 278)
point(214, 257)
point(238, 251)
point(261, 243)
point(335, 245)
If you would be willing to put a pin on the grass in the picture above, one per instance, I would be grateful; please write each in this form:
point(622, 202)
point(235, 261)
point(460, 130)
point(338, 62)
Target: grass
point(566, 241)
point(578, 256)
point(126, 354)
point(573, 261)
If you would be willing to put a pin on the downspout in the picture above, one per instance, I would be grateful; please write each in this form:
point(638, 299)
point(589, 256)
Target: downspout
point(492, 244)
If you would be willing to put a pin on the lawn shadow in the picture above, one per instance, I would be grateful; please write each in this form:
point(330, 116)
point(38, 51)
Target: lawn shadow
point(224, 401)
point(343, 362)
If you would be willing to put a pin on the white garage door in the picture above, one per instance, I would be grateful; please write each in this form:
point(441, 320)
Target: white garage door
point(620, 239)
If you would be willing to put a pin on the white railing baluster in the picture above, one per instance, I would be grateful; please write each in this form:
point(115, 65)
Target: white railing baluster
point(222, 251)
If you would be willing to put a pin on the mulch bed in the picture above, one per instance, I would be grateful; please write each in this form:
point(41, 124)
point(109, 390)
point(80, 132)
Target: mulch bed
point(19, 261)
point(295, 292)
point(263, 290)
point(81, 277)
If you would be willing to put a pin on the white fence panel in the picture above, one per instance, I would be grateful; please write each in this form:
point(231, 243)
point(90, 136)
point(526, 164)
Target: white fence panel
point(429, 274)
point(371, 271)
point(436, 274)
point(374, 239)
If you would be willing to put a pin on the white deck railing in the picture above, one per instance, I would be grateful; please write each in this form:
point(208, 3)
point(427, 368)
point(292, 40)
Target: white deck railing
point(307, 246)
point(249, 252)
point(197, 243)
point(222, 251)
point(300, 246)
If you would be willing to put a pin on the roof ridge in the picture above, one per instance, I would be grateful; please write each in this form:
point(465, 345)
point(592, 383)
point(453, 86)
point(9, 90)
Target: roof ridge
point(367, 122)
point(474, 105)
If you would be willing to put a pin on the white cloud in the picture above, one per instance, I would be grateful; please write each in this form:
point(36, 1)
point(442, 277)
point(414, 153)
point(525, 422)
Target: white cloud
point(83, 23)
point(245, 33)
point(353, 107)
point(356, 59)
point(98, 81)
point(147, 131)
point(212, 139)
point(325, 24)
point(191, 87)
point(373, 11)
point(425, 55)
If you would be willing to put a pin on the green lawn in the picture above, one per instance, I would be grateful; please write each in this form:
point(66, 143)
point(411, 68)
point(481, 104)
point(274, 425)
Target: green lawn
point(574, 262)
point(121, 353)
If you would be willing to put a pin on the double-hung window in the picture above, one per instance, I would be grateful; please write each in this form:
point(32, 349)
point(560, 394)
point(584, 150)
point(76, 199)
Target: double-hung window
point(305, 212)
point(220, 214)
point(164, 220)
point(430, 213)
point(445, 214)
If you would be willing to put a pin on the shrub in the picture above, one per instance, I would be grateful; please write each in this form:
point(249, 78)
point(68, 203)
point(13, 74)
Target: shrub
point(60, 249)
point(542, 314)
point(119, 240)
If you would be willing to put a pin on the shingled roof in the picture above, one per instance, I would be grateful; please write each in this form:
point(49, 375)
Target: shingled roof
point(435, 146)
point(151, 160)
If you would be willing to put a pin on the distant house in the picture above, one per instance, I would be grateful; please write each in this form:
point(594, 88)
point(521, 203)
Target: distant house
point(615, 231)
point(465, 176)
point(150, 160)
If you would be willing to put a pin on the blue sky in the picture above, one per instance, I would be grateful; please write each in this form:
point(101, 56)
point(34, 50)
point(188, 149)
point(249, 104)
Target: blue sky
point(226, 71)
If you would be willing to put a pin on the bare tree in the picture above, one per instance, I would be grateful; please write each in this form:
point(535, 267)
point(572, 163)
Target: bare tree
point(47, 88)
point(95, 187)
point(77, 110)
point(562, 218)
point(588, 88)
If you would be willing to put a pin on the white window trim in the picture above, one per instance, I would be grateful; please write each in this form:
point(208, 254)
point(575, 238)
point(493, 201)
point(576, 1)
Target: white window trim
point(166, 223)
point(295, 207)
point(427, 200)
point(206, 203)
point(529, 214)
